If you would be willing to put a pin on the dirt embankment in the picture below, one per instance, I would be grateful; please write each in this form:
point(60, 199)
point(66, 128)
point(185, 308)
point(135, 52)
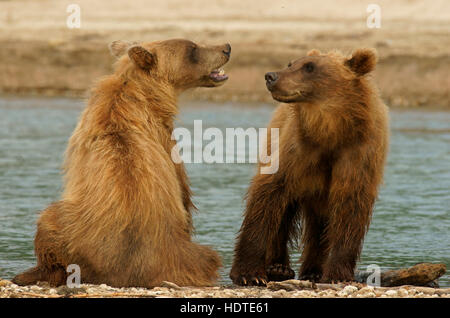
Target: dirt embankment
point(40, 55)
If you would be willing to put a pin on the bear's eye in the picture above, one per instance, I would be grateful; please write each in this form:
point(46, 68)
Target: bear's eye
point(289, 64)
point(309, 67)
point(193, 54)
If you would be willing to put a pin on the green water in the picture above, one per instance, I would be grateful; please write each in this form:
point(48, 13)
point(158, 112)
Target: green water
point(410, 224)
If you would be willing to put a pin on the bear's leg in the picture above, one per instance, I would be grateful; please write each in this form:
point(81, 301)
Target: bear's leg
point(186, 192)
point(198, 265)
point(314, 245)
point(262, 243)
point(279, 268)
point(48, 251)
point(29, 277)
point(353, 190)
point(54, 277)
point(345, 233)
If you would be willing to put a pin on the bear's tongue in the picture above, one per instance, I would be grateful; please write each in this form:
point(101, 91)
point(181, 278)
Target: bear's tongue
point(218, 75)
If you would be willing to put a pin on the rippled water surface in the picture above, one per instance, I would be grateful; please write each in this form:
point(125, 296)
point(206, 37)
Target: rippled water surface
point(411, 223)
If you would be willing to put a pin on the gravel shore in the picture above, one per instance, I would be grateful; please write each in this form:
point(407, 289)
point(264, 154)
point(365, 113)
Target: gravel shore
point(287, 289)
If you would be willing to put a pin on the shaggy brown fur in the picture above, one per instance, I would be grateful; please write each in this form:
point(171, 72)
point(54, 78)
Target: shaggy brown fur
point(332, 149)
point(124, 216)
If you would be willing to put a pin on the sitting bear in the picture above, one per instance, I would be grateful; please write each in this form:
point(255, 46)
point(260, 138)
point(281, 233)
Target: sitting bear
point(333, 141)
point(125, 214)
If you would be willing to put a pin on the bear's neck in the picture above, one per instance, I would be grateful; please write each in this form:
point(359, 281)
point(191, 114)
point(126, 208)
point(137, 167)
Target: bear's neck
point(331, 126)
point(123, 104)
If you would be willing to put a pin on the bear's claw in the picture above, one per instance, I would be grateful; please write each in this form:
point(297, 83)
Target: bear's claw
point(251, 280)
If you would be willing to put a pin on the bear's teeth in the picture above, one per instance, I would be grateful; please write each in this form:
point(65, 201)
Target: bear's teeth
point(221, 72)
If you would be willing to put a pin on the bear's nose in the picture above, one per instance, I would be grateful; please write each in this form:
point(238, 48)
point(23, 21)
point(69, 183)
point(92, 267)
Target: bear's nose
point(227, 50)
point(271, 79)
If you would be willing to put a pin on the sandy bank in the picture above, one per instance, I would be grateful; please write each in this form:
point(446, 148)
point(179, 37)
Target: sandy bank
point(41, 56)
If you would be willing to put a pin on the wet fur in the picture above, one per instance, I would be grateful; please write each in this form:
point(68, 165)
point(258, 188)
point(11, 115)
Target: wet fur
point(332, 153)
point(125, 214)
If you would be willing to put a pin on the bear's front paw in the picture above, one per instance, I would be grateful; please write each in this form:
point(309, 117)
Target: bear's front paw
point(312, 277)
point(280, 272)
point(252, 278)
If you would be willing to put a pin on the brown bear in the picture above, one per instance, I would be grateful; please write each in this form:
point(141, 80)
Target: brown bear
point(333, 140)
point(125, 213)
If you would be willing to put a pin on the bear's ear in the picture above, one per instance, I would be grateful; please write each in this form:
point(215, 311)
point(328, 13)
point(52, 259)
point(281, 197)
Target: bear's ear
point(313, 52)
point(362, 61)
point(119, 48)
point(141, 57)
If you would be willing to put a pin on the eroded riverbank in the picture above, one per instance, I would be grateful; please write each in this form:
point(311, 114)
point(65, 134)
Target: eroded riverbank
point(41, 56)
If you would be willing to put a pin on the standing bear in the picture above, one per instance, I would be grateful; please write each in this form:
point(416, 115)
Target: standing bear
point(125, 213)
point(333, 141)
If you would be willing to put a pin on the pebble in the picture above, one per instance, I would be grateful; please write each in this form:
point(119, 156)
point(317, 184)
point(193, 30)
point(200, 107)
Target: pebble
point(391, 293)
point(367, 289)
point(52, 291)
point(402, 292)
point(348, 290)
point(425, 290)
point(91, 291)
point(4, 283)
point(304, 293)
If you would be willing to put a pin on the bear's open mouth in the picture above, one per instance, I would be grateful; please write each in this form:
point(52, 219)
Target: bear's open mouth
point(218, 75)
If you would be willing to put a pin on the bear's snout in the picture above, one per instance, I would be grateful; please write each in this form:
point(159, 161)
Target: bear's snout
point(271, 79)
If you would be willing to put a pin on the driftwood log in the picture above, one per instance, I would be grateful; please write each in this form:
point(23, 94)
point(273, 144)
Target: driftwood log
point(423, 274)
